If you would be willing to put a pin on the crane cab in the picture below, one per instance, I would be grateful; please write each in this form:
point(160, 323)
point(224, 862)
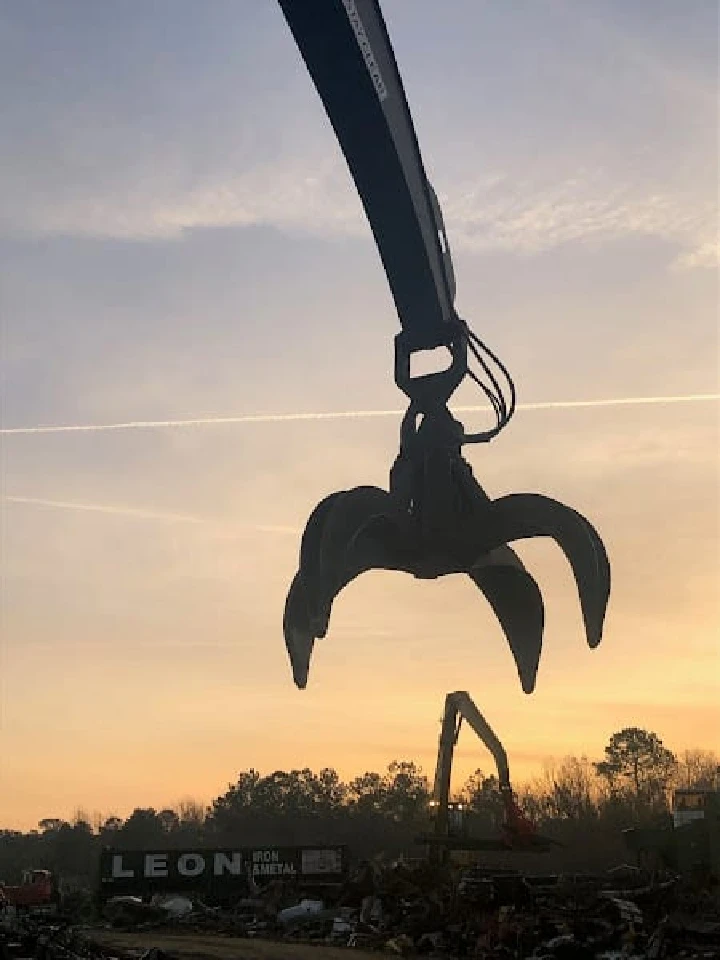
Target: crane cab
point(691, 804)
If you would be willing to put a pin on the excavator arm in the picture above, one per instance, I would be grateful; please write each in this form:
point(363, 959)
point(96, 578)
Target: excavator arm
point(517, 829)
point(347, 51)
point(458, 707)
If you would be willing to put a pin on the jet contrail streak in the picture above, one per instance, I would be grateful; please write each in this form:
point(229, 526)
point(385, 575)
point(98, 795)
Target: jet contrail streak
point(139, 514)
point(252, 418)
point(105, 508)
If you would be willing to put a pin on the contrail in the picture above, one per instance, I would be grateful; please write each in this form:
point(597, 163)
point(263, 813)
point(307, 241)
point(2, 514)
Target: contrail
point(133, 512)
point(252, 418)
point(105, 508)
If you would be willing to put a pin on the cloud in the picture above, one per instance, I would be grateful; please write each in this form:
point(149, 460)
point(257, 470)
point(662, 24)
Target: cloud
point(210, 148)
point(258, 418)
point(104, 508)
point(706, 255)
point(140, 514)
point(525, 217)
point(313, 195)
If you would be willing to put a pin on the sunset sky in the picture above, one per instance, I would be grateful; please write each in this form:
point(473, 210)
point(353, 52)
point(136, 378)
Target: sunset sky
point(180, 240)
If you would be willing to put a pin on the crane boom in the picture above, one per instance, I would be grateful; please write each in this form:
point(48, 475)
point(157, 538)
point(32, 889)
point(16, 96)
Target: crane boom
point(459, 706)
point(347, 51)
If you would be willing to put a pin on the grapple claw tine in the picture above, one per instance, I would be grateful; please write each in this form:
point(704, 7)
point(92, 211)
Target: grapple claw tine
point(522, 515)
point(299, 637)
point(517, 603)
point(349, 516)
point(311, 542)
point(334, 551)
point(380, 546)
point(302, 619)
point(387, 543)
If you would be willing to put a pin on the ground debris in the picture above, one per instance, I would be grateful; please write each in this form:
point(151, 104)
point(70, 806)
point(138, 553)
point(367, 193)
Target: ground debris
point(403, 910)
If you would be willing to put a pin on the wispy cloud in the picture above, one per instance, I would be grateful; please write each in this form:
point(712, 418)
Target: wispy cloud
point(255, 158)
point(141, 514)
point(498, 212)
point(264, 418)
point(525, 217)
point(310, 194)
point(705, 255)
point(110, 509)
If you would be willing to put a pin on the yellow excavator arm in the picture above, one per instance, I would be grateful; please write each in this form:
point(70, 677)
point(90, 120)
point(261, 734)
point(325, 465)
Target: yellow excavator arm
point(458, 707)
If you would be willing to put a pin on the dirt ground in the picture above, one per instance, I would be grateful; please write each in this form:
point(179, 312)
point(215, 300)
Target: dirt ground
point(207, 947)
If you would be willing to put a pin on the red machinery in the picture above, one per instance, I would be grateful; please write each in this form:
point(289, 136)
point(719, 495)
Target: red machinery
point(38, 888)
point(518, 832)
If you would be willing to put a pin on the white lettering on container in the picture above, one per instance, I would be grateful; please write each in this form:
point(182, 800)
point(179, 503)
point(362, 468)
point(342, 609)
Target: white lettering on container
point(191, 865)
point(224, 864)
point(118, 871)
point(156, 865)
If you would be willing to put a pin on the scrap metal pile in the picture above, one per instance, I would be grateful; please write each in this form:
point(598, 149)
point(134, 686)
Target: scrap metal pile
point(475, 913)
point(406, 909)
point(58, 938)
point(47, 938)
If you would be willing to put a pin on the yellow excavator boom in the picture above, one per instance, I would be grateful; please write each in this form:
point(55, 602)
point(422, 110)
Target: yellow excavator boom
point(517, 829)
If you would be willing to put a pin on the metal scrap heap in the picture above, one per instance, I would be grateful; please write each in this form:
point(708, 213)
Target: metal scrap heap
point(407, 910)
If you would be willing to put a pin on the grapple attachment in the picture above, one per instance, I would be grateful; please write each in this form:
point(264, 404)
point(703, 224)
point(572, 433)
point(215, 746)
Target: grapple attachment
point(434, 520)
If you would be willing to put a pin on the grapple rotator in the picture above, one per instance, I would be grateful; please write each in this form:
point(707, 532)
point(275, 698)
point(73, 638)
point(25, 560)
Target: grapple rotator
point(435, 518)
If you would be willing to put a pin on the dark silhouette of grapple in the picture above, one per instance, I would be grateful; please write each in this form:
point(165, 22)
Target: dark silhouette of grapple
point(435, 519)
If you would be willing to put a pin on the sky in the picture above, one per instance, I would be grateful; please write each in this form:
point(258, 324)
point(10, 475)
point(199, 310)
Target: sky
point(182, 253)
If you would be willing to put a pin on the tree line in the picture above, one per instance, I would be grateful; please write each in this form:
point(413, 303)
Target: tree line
point(576, 800)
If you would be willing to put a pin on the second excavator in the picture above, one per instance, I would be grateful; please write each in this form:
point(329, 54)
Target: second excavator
point(518, 832)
